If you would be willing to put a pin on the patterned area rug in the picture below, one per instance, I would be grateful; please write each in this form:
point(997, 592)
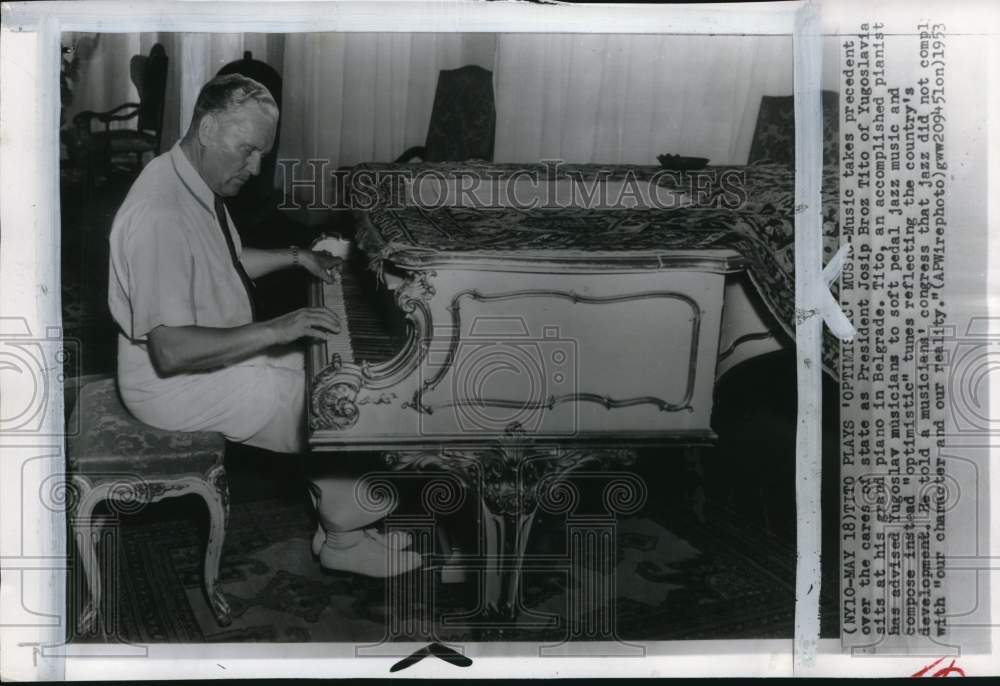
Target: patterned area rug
point(682, 579)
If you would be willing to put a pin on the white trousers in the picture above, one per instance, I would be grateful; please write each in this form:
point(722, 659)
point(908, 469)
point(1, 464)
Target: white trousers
point(259, 402)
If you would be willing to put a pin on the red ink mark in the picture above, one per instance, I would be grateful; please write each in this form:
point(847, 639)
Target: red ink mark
point(943, 672)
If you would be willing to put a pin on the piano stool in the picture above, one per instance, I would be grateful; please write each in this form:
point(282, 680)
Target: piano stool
point(114, 457)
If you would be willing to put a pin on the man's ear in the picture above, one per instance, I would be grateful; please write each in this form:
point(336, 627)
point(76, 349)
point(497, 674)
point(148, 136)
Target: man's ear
point(207, 128)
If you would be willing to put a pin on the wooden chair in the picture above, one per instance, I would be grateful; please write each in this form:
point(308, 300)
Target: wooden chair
point(115, 458)
point(100, 148)
point(463, 120)
point(774, 136)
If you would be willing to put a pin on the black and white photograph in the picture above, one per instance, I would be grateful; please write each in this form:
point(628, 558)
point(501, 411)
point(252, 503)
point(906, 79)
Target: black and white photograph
point(455, 337)
point(497, 338)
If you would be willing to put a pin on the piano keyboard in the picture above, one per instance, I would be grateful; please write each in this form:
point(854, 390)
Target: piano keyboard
point(333, 299)
point(372, 329)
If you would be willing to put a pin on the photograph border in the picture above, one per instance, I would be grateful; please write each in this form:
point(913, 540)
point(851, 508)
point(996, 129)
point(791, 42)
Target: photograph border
point(34, 570)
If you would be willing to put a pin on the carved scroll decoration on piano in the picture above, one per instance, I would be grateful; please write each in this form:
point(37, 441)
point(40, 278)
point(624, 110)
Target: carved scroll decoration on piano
point(333, 400)
point(552, 400)
point(565, 374)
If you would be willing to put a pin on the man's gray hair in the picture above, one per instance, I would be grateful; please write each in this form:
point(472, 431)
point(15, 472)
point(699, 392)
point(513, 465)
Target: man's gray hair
point(228, 92)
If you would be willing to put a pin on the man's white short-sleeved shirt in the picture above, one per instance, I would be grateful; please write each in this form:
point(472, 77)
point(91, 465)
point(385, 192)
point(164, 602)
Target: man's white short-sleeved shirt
point(170, 266)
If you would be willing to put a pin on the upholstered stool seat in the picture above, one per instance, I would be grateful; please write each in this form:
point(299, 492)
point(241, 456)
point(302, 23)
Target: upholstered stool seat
point(116, 458)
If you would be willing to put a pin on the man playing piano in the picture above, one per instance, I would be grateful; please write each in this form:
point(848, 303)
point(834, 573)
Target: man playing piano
point(191, 357)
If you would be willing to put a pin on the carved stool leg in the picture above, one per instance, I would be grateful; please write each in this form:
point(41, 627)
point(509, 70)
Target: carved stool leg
point(87, 530)
point(217, 499)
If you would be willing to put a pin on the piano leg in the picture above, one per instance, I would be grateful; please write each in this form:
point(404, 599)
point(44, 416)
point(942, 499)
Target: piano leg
point(512, 479)
point(506, 539)
point(507, 508)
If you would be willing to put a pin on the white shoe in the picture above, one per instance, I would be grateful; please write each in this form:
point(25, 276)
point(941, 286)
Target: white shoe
point(370, 556)
point(398, 540)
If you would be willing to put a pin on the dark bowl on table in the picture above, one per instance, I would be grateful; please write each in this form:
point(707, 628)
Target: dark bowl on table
point(681, 163)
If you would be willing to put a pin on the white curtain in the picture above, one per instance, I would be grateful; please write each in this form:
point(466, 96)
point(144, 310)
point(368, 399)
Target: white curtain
point(104, 81)
point(198, 57)
point(355, 97)
point(625, 99)
point(368, 96)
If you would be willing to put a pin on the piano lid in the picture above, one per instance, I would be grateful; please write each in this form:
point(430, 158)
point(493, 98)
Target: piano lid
point(745, 219)
point(428, 214)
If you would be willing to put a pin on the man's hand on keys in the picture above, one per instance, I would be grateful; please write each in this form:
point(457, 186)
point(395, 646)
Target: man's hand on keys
point(308, 322)
point(321, 264)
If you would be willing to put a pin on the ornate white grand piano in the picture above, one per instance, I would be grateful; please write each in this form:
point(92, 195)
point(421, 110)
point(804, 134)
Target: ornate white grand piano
point(531, 342)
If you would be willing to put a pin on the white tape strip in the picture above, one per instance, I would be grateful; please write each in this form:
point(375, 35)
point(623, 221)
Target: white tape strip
point(834, 317)
point(809, 302)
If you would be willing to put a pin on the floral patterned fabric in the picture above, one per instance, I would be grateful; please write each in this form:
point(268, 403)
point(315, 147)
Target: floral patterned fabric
point(761, 228)
point(774, 136)
point(108, 440)
point(463, 120)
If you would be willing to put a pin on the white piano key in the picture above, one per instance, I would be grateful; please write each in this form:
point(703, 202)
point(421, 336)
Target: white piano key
point(333, 299)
